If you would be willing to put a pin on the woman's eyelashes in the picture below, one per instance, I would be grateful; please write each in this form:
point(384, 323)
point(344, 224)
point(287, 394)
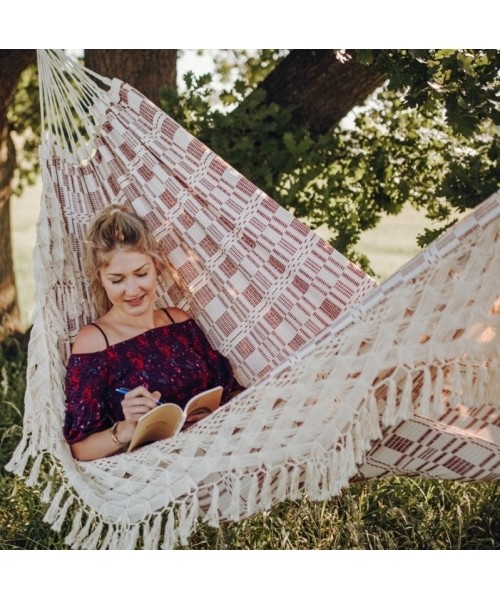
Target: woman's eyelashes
point(117, 281)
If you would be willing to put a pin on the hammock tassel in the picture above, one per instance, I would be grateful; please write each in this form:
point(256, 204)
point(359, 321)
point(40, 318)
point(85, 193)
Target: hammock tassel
point(53, 510)
point(152, 533)
point(19, 460)
point(439, 390)
point(212, 516)
point(169, 533)
point(83, 533)
point(390, 411)
point(266, 490)
point(188, 514)
point(57, 523)
point(282, 484)
point(457, 389)
point(294, 491)
point(115, 538)
point(234, 507)
point(35, 471)
point(313, 478)
point(77, 523)
point(127, 539)
point(106, 542)
point(425, 393)
point(92, 541)
point(251, 499)
point(336, 474)
point(406, 399)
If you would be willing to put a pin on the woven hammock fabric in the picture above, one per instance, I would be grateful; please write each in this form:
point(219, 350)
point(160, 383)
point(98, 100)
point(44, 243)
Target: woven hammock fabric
point(346, 379)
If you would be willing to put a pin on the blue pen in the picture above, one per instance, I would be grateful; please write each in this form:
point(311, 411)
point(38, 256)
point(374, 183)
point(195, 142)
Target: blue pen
point(123, 391)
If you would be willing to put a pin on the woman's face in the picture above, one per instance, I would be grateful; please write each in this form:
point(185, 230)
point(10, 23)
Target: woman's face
point(129, 279)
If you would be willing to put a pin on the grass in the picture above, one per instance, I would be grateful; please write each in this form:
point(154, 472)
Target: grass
point(392, 513)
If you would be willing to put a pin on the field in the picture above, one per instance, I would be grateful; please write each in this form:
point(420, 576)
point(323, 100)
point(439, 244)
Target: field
point(394, 513)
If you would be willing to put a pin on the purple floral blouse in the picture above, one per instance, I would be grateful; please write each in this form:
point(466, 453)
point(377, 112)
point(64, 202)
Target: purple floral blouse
point(176, 360)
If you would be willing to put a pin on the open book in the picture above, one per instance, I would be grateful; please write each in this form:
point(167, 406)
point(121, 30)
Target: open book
point(168, 419)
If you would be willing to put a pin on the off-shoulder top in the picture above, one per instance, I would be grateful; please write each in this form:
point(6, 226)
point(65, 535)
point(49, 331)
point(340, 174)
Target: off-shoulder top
point(176, 360)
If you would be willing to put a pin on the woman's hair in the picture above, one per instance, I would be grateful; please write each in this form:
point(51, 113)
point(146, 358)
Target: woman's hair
point(115, 227)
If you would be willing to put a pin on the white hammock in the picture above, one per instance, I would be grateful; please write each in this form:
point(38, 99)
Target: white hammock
point(346, 379)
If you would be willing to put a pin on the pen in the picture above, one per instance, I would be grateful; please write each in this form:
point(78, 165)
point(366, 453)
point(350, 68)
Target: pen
point(123, 391)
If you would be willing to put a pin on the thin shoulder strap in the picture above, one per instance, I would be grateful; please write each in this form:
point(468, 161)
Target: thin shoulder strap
point(165, 310)
point(102, 331)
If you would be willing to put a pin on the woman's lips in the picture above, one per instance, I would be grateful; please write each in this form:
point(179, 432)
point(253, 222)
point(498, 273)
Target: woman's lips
point(135, 301)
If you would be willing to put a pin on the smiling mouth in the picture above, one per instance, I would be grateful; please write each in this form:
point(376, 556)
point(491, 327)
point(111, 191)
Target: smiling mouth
point(135, 301)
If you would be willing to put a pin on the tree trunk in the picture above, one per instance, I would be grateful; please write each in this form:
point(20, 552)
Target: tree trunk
point(319, 88)
point(12, 63)
point(146, 70)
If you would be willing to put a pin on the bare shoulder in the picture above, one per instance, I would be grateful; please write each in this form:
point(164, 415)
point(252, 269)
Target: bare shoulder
point(89, 339)
point(178, 315)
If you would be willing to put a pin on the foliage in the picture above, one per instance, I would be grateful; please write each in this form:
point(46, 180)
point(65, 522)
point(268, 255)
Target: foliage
point(24, 119)
point(464, 82)
point(430, 138)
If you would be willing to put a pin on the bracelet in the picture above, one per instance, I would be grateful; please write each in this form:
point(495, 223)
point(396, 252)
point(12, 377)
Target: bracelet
point(112, 431)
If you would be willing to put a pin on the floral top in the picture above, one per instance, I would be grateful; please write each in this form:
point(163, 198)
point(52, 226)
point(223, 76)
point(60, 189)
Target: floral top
point(176, 360)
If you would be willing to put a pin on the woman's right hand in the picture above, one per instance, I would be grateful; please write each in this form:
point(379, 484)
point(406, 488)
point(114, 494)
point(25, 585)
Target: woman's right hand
point(138, 402)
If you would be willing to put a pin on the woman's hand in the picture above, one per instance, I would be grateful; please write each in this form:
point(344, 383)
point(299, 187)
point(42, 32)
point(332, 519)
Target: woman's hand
point(138, 402)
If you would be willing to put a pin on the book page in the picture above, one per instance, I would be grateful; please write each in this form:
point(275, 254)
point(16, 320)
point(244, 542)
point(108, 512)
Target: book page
point(203, 404)
point(162, 422)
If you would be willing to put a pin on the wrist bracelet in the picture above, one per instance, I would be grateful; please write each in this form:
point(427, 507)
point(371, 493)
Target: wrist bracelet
point(112, 431)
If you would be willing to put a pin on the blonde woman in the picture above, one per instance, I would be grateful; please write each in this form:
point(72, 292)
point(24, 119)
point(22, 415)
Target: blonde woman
point(158, 355)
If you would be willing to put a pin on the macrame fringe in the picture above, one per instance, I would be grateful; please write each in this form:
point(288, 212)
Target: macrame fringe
point(266, 497)
point(58, 521)
point(187, 514)
point(93, 540)
point(170, 534)
point(294, 486)
point(47, 490)
point(152, 533)
point(235, 506)
point(55, 506)
point(212, 515)
point(77, 524)
point(251, 497)
point(21, 456)
point(389, 415)
point(106, 542)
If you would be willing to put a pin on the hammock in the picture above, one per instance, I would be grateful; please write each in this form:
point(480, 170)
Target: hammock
point(345, 379)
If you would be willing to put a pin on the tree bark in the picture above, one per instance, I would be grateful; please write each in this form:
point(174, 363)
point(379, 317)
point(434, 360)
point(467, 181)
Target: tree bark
point(12, 63)
point(319, 88)
point(146, 70)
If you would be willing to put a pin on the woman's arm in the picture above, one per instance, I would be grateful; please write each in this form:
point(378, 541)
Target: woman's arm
point(87, 418)
point(136, 403)
point(103, 443)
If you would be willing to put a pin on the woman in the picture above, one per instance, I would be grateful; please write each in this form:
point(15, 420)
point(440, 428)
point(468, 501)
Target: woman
point(159, 355)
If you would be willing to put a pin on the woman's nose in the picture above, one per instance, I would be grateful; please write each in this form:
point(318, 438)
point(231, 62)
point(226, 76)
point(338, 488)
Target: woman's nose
point(131, 286)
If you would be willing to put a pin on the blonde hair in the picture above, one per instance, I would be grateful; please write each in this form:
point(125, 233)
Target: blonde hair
point(113, 228)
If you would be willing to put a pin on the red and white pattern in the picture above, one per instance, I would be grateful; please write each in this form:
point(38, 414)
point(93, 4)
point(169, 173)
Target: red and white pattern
point(258, 281)
point(346, 379)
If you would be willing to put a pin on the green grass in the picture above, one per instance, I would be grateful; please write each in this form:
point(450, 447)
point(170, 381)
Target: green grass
point(392, 513)
point(24, 215)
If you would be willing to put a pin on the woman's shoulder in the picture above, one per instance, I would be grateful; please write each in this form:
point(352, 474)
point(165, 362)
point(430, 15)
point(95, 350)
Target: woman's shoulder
point(176, 315)
point(91, 338)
